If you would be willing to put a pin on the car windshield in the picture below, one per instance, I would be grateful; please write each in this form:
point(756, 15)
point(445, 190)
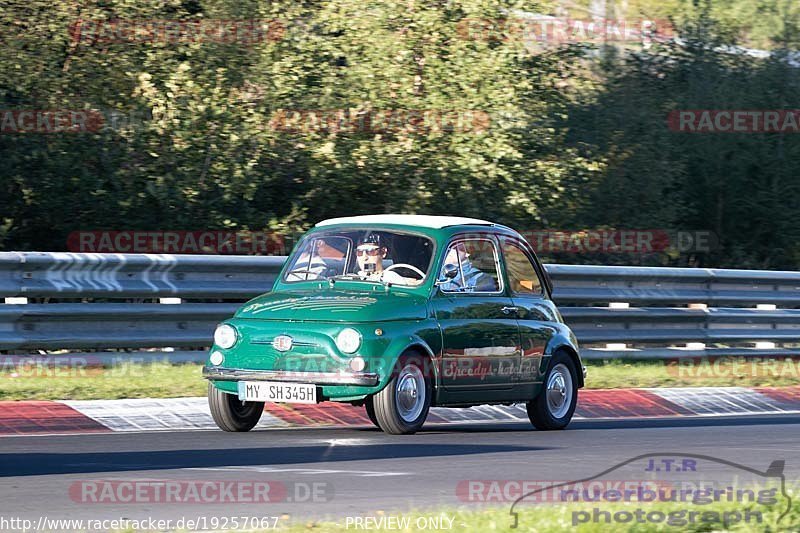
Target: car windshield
point(378, 256)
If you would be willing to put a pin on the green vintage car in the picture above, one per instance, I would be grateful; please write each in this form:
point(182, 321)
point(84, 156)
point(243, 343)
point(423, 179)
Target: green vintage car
point(399, 313)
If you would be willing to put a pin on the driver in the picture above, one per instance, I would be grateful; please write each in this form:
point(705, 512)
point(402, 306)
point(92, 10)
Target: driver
point(370, 253)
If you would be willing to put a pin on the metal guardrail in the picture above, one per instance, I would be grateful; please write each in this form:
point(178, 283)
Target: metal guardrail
point(91, 302)
point(72, 275)
point(576, 284)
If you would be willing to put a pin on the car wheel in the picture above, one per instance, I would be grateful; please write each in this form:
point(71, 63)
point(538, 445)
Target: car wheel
point(554, 406)
point(232, 414)
point(402, 406)
point(369, 406)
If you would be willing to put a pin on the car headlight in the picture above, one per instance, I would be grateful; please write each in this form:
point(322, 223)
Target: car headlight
point(348, 340)
point(216, 358)
point(357, 364)
point(225, 336)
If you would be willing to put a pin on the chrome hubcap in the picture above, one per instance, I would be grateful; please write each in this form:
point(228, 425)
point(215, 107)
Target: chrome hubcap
point(559, 391)
point(410, 393)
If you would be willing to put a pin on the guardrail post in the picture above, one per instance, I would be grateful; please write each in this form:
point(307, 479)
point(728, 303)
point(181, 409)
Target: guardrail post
point(766, 345)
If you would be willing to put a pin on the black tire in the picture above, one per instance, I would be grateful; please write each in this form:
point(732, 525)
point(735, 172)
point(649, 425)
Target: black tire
point(391, 406)
point(369, 406)
point(232, 414)
point(549, 415)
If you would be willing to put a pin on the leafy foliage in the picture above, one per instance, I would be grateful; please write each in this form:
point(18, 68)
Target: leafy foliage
point(199, 133)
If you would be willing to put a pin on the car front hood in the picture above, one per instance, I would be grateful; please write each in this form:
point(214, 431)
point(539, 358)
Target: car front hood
point(336, 306)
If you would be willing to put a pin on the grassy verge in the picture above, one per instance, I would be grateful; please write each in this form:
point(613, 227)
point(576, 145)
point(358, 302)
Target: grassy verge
point(722, 372)
point(581, 518)
point(162, 380)
point(155, 380)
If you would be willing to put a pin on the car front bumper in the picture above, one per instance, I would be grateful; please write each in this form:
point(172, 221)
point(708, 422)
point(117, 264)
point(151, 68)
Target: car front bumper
point(363, 379)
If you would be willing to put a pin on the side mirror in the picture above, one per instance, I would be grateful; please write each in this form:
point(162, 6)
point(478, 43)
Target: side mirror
point(449, 272)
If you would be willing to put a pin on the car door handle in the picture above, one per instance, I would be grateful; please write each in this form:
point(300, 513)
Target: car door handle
point(509, 310)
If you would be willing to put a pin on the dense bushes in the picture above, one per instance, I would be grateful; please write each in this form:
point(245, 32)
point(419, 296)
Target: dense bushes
point(337, 108)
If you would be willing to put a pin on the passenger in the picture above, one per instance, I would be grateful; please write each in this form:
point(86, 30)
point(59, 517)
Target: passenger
point(326, 260)
point(469, 278)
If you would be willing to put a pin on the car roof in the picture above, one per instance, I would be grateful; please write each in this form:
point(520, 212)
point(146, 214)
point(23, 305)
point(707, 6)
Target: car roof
point(427, 221)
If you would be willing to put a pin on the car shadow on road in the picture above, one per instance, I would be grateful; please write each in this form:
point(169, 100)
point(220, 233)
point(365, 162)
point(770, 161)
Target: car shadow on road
point(35, 464)
point(618, 423)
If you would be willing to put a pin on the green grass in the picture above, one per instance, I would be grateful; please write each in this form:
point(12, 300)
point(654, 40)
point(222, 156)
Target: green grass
point(155, 380)
point(556, 517)
point(163, 380)
point(562, 517)
point(723, 372)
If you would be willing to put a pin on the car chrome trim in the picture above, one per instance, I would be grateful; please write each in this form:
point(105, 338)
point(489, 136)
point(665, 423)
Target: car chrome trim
point(410, 393)
point(558, 391)
point(294, 342)
point(427, 221)
point(367, 379)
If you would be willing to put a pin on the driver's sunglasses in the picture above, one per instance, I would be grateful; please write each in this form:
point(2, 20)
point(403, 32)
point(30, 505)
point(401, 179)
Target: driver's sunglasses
point(368, 251)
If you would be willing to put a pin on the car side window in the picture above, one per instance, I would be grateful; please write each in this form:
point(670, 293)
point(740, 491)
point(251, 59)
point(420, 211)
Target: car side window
point(522, 275)
point(475, 261)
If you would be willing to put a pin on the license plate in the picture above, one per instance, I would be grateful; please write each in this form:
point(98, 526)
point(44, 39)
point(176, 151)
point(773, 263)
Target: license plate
point(277, 391)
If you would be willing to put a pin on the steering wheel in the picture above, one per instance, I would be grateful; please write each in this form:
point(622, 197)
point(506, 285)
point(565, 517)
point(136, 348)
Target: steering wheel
point(412, 268)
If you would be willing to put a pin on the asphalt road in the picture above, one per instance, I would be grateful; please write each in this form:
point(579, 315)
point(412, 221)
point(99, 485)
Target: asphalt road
point(335, 473)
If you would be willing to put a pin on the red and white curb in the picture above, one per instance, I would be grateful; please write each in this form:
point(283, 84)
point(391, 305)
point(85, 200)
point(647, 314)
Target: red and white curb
point(171, 414)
